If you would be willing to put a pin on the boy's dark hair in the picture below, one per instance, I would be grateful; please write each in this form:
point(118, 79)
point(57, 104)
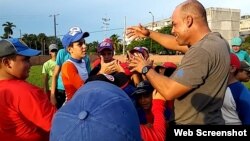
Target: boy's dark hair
point(9, 57)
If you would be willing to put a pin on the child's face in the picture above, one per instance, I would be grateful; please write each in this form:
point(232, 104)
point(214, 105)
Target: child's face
point(53, 53)
point(107, 55)
point(243, 76)
point(236, 48)
point(78, 50)
point(19, 67)
point(145, 101)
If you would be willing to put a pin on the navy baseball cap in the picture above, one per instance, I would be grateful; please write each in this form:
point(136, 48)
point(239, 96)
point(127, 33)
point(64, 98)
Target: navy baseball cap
point(244, 65)
point(99, 111)
point(137, 49)
point(75, 34)
point(144, 87)
point(16, 46)
point(106, 44)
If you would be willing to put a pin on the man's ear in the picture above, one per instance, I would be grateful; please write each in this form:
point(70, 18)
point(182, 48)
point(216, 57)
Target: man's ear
point(5, 62)
point(189, 21)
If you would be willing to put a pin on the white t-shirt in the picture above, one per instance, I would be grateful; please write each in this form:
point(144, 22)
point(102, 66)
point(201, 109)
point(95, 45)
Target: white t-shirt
point(228, 109)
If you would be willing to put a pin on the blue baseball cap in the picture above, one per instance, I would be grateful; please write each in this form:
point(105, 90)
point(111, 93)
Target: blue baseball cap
point(98, 111)
point(16, 46)
point(236, 41)
point(75, 34)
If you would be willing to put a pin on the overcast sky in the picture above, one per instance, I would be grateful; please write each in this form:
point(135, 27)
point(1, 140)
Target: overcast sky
point(32, 16)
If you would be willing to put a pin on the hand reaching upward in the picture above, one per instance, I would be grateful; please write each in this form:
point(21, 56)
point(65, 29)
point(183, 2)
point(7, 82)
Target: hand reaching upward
point(136, 32)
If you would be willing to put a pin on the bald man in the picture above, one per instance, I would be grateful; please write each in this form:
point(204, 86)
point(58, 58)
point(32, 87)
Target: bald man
point(199, 83)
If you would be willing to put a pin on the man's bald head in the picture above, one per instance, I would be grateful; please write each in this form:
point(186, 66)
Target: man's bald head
point(194, 8)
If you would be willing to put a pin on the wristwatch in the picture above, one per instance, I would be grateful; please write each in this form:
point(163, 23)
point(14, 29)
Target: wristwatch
point(145, 69)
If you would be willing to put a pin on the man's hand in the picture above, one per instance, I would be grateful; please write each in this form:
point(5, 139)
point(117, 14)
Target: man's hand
point(136, 32)
point(137, 62)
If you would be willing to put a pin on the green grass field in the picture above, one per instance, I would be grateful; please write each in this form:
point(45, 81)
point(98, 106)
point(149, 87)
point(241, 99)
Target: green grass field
point(247, 85)
point(35, 76)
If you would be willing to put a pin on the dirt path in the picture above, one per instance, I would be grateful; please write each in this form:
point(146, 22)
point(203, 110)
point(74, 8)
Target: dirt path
point(158, 59)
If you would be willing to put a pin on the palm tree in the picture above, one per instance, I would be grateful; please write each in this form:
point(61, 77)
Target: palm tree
point(116, 41)
point(42, 40)
point(92, 47)
point(8, 29)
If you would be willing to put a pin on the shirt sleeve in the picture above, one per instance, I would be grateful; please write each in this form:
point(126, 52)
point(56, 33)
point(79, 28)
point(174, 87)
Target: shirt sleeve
point(60, 57)
point(88, 65)
point(193, 69)
point(247, 57)
point(70, 75)
point(158, 131)
point(36, 107)
point(44, 68)
point(243, 107)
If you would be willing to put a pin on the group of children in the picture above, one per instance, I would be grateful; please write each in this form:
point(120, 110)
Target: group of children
point(28, 114)
point(27, 111)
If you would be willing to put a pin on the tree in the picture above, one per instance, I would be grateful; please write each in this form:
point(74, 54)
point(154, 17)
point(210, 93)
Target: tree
point(8, 30)
point(116, 42)
point(42, 40)
point(92, 47)
point(246, 44)
point(156, 48)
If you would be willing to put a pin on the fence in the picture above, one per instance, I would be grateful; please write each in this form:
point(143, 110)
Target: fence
point(39, 60)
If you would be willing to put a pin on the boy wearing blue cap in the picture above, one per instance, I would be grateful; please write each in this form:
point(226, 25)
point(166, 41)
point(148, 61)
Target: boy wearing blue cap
point(99, 111)
point(75, 70)
point(25, 111)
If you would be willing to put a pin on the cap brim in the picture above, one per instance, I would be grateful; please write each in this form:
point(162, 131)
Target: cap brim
point(104, 48)
point(53, 48)
point(29, 52)
point(80, 36)
point(246, 69)
point(85, 34)
point(139, 91)
point(134, 50)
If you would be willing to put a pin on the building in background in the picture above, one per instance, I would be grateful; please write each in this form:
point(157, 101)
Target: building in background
point(245, 26)
point(225, 21)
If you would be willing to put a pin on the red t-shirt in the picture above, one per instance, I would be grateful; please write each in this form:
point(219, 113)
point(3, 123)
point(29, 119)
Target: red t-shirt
point(158, 130)
point(25, 112)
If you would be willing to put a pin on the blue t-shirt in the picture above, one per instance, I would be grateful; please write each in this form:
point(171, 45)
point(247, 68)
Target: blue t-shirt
point(241, 97)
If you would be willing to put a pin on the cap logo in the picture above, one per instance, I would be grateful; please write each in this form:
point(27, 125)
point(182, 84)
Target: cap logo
point(104, 44)
point(109, 77)
point(74, 30)
point(141, 84)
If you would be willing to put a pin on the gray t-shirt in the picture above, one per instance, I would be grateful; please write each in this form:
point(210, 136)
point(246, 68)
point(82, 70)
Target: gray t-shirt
point(205, 68)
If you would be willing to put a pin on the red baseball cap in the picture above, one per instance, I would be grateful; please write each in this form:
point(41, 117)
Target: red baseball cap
point(169, 65)
point(234, 60)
